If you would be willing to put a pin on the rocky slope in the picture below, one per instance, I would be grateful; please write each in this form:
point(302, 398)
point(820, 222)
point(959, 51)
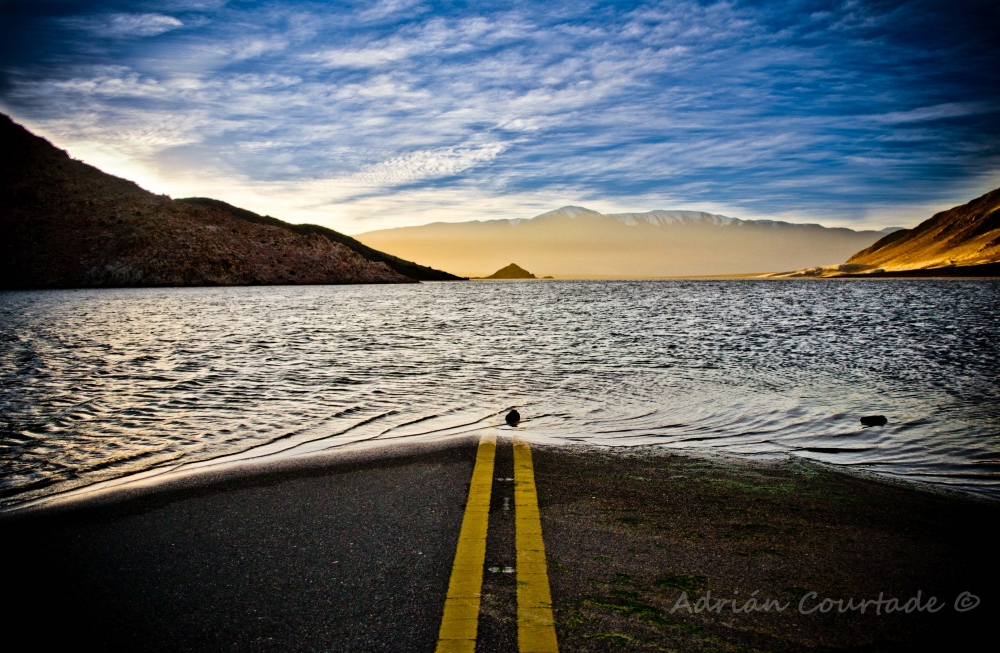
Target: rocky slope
point(577, 242)
point(65, 224)
point(967, 235)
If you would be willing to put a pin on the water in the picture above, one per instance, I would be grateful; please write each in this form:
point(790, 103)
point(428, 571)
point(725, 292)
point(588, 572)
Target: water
point(103, 384)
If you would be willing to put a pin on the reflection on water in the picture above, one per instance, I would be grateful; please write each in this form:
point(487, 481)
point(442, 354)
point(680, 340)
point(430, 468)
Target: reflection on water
point(104, 383)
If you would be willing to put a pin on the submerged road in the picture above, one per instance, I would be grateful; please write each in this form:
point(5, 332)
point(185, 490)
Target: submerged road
point(434, 551)
point(352, 557)
point(439, 548)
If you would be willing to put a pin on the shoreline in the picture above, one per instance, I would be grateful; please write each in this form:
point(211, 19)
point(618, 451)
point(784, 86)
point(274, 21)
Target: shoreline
point(925, 275)
point(207, 476)
point(776, 462)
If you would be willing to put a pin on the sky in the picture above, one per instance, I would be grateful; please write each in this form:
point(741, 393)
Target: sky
point(369, 115)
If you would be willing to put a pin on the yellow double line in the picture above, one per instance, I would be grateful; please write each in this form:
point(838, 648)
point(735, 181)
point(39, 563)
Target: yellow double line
point(535, 625)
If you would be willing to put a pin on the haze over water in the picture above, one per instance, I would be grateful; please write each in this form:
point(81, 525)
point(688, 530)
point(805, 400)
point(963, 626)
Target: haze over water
point(103, 384)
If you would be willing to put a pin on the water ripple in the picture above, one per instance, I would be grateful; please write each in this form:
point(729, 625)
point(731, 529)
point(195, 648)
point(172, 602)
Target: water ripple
point(100, 384)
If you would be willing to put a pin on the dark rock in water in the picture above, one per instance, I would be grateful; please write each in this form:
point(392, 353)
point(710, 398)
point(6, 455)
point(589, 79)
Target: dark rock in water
point(874, 420)
point(513, 417)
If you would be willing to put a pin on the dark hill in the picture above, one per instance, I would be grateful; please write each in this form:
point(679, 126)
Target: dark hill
point(512, 271)
point(965, 236)
point(65, 224)
point(406, 268)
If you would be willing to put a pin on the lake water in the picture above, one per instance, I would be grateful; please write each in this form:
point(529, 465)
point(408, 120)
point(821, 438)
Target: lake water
point(104, 384)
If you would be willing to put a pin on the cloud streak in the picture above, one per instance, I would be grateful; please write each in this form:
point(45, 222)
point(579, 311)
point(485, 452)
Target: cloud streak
point(124, 25)
point(406, 112)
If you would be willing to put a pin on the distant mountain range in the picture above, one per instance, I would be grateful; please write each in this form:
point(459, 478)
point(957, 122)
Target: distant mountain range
point(65, 224)
point(577, 242)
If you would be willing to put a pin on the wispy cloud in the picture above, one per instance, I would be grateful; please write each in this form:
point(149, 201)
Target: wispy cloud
point(429, 164)
point(403, 111)
point(124, 25)
point(939, 112)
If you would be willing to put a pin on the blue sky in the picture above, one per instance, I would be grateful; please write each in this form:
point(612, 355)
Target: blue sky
point(369, 115)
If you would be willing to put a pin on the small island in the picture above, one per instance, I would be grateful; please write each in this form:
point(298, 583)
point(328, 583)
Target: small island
point(512, 271)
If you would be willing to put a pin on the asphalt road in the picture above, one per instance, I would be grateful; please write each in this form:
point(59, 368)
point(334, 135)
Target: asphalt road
point(348, 557)
point(355, 554)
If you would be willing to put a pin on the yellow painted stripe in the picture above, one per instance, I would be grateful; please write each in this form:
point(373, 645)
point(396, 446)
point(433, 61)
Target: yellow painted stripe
point(536, 631)
point(461, 606)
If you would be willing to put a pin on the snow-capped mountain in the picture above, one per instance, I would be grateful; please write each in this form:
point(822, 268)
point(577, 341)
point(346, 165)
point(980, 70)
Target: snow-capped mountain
point(654, 218)
point(576, 242)
point(668, 218)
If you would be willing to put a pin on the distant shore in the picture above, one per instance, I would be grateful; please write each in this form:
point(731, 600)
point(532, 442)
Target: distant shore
point(987, 271)
point(984, 271)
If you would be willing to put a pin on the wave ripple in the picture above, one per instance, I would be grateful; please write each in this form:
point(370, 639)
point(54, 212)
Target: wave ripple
point(100, 384)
